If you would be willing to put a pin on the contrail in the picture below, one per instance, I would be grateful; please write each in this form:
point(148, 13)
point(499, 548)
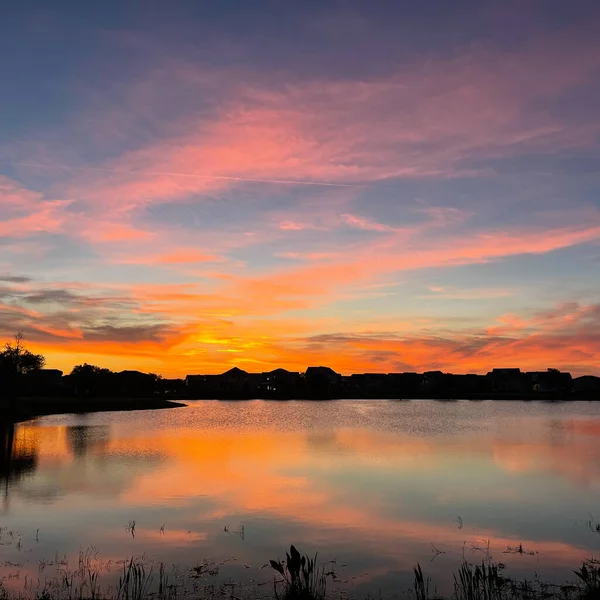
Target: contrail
point(188, 175)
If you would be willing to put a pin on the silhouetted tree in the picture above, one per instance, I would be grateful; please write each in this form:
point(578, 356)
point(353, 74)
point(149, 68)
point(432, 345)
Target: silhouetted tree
point(90, 380)
point(15, 363)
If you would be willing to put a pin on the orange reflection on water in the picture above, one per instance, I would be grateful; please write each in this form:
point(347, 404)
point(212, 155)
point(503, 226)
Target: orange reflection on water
point(386, 490)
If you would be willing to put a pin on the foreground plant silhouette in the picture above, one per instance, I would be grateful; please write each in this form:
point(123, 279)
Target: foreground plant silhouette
point(302, 577)
point(485, 582)
point(479, 582)
point(134, 583)
point(589, 575)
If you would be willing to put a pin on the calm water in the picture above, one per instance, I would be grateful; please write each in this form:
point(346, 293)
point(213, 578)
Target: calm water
point(375, 485)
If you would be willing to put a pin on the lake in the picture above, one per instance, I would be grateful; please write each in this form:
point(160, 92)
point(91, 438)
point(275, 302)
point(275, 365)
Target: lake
point(373, 485)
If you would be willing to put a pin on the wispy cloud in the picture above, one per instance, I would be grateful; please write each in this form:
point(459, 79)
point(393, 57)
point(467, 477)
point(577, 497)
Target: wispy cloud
point(366, 224)
point(454, 293)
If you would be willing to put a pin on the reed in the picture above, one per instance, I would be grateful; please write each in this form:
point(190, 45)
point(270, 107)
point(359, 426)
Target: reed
point(302, 577)
point(135, 582)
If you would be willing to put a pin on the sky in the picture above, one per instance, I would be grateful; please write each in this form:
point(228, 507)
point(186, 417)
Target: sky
point(374, 186)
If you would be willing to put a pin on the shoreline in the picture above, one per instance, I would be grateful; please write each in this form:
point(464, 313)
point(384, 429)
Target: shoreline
point(31, 408)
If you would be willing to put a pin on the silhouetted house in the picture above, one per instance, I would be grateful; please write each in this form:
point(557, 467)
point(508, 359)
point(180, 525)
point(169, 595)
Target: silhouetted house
point(324, 373)
point(211, 384)
point(134, 384)
point(234, 381)
point(47, 376)
point(433, 381)
point(172, 387)
point(550, 381)
point(354, 386)
point(231, 384)
point(508, 381)
point(587, 384)
point(322, 381)
point(377, 384)
point(405, 385)
point(253, 386)
point(470, 385)
point(195, 386)
point(365, 385)
point(45, 382)
point(280, 383)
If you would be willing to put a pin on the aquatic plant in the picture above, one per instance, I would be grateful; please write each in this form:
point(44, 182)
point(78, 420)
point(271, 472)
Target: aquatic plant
point(593, 525)
point(421, 584)
point(479, 582)
point(131, 528)
point(134, 583)
point(589, 575)
point(303, 579)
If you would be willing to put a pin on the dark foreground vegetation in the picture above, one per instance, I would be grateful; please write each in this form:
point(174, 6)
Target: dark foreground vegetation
point(297, 577)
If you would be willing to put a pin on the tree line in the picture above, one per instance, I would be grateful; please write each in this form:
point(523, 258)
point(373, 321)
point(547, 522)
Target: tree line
point(21, 374)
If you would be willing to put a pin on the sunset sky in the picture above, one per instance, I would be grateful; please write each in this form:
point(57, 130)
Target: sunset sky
point(374, 186)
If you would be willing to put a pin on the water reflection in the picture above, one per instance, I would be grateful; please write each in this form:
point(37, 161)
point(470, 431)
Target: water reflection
point(16, 461)
point(82, 439)
point(372, 484)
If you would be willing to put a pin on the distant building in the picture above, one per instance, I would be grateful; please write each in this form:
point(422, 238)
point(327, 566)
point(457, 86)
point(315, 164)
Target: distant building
point(550, 381)
point(173, 386)
point(377, 383)
point(471, 385)
point(587, 383)
point(202, 386)
point(324, 373)
point(46, 376)
point(234, 381)
point(45, 382)
point(134, 384)
point(405, 385)
point(194, 380)
point(280, 382)
point(508, 381)
point(354, 386)
point(367, 385)
point(323, 382)
point(432, 380)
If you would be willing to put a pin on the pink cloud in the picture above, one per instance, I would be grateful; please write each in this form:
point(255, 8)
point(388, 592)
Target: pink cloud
point(366, 224)
point(182, 256)
point(425, 119)
point(293, 226)
point(370, 261)
point(13, 195)
point(309, 256)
